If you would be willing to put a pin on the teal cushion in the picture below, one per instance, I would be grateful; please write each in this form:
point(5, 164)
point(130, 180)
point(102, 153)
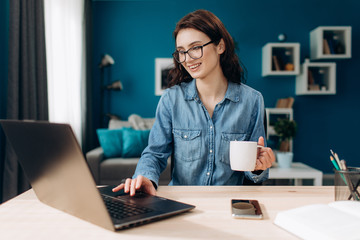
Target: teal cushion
point(110, 141)
point(123, 142)
point(134, 142)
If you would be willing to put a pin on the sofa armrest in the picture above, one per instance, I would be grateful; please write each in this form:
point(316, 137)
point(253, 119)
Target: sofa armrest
point(94, 158)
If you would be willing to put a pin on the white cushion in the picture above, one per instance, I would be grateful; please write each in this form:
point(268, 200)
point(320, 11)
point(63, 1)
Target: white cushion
point(115, 124)
point(139, 123)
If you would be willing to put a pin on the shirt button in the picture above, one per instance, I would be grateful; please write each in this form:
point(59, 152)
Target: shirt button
point(185, 136)
point(210, 127)
point(210, 150)
point(208, 173)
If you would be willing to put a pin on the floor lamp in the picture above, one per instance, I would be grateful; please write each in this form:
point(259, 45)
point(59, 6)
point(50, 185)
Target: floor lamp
point(106, 63)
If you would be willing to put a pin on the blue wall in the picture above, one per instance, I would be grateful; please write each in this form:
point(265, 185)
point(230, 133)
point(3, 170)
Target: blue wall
point(134, 33)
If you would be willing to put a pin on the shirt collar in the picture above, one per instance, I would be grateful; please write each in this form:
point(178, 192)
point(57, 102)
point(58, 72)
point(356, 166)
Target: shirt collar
point(232, 93)
point(190, 90)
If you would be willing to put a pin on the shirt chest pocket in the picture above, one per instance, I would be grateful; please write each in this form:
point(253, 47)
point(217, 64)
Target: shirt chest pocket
point(187, 144)
point(225, 144)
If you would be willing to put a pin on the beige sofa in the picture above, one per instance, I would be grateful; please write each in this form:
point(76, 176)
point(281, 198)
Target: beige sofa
point(112, 170)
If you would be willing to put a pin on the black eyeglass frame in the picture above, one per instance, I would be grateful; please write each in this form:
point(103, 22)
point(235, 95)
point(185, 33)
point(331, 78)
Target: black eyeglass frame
point(187, 52)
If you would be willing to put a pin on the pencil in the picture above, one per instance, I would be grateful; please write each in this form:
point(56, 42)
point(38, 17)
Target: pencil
point(334, 163)
point(336, 158)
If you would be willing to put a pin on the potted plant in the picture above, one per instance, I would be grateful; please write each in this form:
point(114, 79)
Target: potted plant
point(286, 130)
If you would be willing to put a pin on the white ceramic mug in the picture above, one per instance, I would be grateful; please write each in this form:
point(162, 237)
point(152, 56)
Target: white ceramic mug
point(243, 155)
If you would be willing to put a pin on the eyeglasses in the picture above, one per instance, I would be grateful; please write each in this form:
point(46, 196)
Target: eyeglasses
point(194, 52)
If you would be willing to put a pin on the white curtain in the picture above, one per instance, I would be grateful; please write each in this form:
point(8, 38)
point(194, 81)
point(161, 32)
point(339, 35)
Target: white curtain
point(65, 53)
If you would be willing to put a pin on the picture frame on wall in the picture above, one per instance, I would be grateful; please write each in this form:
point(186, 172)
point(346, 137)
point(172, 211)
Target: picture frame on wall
point(162, 68)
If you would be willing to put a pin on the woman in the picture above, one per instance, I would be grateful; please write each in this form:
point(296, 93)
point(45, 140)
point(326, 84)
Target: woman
point(204, 109)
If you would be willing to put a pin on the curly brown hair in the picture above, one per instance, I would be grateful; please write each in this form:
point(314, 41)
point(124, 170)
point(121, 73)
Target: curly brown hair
point(208, 23)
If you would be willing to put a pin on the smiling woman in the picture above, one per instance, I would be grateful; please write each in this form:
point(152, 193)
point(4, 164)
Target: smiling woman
point(206, 107)
point(211, 26)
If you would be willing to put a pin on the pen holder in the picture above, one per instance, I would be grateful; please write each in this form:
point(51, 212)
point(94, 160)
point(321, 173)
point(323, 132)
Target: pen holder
point(347, 184)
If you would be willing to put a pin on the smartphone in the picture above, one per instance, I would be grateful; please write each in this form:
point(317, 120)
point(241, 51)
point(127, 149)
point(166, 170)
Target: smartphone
point(246, 209)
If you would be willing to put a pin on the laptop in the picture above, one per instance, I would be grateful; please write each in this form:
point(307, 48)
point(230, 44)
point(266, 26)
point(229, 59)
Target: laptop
point(60, 177)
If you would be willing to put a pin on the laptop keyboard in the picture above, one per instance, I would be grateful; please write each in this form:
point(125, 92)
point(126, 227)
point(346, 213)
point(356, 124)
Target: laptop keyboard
point(119, 209)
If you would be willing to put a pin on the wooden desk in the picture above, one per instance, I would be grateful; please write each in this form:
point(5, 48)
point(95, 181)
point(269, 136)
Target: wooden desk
point(24, 217)
point(298, 172)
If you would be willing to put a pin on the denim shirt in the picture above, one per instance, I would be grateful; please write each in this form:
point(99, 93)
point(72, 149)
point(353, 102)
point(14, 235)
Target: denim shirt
point(200, 144)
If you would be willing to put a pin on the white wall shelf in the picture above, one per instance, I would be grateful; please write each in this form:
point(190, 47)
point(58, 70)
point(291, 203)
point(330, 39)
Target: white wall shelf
point(280, 59)
point(330, 42)
point(272, 115)
point(316, 79)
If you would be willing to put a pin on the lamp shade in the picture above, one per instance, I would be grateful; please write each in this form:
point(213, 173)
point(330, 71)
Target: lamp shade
point(117, 86)
point(106, 60)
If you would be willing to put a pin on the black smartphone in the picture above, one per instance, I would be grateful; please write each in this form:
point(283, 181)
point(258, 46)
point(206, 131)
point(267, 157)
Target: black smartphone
point(246, 208)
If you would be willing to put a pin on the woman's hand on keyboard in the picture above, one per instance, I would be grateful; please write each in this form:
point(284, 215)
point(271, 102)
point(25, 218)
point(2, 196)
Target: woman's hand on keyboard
point(140, 183)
